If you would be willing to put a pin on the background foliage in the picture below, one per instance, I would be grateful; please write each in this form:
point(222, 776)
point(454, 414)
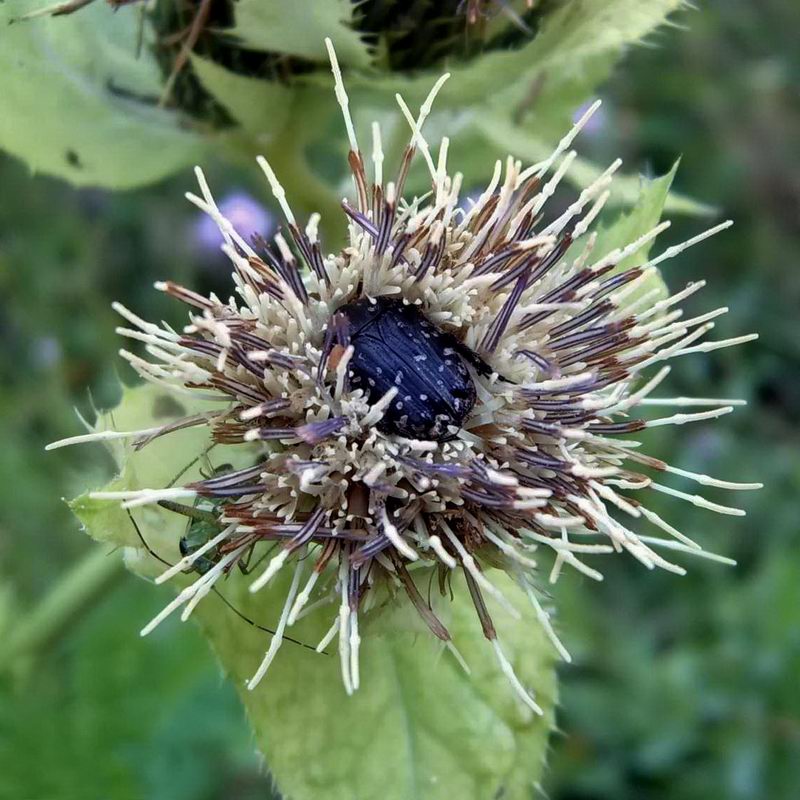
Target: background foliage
point(683, 688)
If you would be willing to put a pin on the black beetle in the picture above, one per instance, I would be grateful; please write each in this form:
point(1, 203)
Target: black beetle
point(394, 345)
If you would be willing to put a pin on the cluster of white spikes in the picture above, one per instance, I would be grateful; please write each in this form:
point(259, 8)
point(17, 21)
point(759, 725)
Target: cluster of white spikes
point(498, 323)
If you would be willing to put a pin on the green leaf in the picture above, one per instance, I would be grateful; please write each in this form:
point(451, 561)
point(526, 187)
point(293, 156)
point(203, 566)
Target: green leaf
point(261, 107)
point(178, 457)
point(8, 611)
point(628, 227)
point(586, 28)
point(75, 591)
point(575, 52)
point(136, 718)
point(644, 216)
point(576, 31)
point(80, 105)
point(419, 726)
point(299, 28)
point(546, 104)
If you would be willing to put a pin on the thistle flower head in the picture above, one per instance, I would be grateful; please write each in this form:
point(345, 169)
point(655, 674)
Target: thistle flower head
point(450, 392)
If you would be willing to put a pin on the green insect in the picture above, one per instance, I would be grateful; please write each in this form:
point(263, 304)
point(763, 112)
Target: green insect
point(202, 526)
point(198, 532)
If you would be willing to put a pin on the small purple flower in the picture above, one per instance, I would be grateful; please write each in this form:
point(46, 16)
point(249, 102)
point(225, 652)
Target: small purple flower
point(596, 123)
point(468, 200)
point(246, 214)
point(46, 352)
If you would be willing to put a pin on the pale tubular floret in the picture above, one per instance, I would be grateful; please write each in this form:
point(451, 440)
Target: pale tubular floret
point(189, 560)
point(619, 254)
point(707, 480)
point(674, 321)
point(278, 192)
point(606, 492)
point(139, 497)
point(433, 542)
point(396, 538)
point(275, 565)
point(312, 227)
point(537, 203)
point(341, 372)
point(482, 199)
point(707, 347)
point(345, 653)
point(510, 550)
point(682, 419)
point(673, 299)
point(354, 645)
point(377, 154)
point(302, 598)
point(636, 397)
point(469, 564)
point(441, 177)
point(277, 638)
point(508, 671)
point(208, 205)
point(341, 95)
point(417, 140)
point(566, 142)
point(546, 623)
point(672, 545)
point(690, 544)
point(147, 327)
point(692, 401)
point(673, 251)
point(207, 579)
point(100, 436)
point(591, 215)
point(375, 414)
point(697, 500)
point(668, 351)
point(329, 636)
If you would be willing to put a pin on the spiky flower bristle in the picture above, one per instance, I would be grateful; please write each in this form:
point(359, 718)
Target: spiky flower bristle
point(556, 342)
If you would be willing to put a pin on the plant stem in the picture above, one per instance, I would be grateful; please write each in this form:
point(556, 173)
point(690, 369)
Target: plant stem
point(63, 605)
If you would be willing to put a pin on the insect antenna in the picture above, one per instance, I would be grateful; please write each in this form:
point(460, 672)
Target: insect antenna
point(260, 627)
point(144, 541)
point(216, 591)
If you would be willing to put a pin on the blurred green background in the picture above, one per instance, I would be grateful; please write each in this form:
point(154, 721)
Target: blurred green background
point(682, 688)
